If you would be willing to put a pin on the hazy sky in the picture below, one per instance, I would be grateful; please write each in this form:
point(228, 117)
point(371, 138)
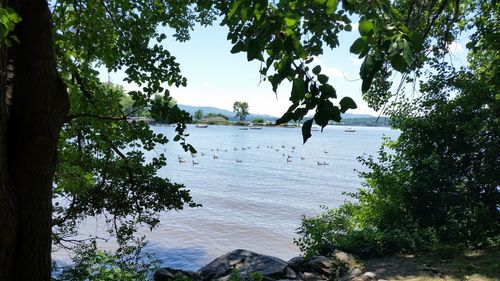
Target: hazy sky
point(218, 78)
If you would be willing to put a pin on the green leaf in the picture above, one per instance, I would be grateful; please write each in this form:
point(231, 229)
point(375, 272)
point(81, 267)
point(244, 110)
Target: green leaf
point(285, 118)
point(336, 114)
point(359, 45)
point(298, 90)
point(348, 27)
point(470, 44)
point(321, 2)
point(290, 21)
point(367, 82)
point(331, 6)
point(417, 41)
point(192, 149)
point(366, 28)
point(328, 91)
point(347, 103)
point(177, 138)
point(323, 79)
point(306, 130)
point(316, 70)
point(398, 63)
point(233, 9)
point(238, 47)
point(300, 113)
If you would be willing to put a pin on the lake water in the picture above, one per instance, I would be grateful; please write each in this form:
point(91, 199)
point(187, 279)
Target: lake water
point(255, 204)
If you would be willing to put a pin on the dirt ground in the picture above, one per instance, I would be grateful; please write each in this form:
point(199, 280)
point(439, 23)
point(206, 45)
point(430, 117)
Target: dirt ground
point(471, 266)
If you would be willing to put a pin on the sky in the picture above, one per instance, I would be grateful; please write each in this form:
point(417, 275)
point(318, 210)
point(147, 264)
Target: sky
point(218, 78)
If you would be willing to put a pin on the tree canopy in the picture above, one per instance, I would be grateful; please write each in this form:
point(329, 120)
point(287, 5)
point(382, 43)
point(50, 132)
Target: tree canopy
point(198, 114)
point(241, 109)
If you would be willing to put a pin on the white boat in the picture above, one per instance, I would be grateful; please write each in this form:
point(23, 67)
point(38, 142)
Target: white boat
point(201, 125)
point(255, 128)
point(349, 130)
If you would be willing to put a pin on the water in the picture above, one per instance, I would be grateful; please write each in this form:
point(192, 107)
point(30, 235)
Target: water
point(256, 204)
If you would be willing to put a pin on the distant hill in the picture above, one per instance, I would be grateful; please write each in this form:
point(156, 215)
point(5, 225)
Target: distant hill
point(231, 115)
point(363, 118)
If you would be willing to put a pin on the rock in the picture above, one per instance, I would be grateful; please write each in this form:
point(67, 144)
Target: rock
point(355, 273)
point(167, 274)
point(246, 262)
point(298, 264)
point(320, 265)
point(346, 258)
point(368, 276)
point(311, 276)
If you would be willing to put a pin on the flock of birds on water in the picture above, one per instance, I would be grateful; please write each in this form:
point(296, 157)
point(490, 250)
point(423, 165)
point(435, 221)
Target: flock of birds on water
point(214, 154)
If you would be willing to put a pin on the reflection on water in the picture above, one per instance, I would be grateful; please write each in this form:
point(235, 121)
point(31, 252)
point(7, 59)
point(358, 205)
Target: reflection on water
point(256, 188)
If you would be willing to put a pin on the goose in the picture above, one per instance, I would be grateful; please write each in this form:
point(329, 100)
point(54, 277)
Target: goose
point(288, 160)
point(320, 164)
point(195, 163)
point(181, 160)
point(202, 154)
point(238, 161)
point(302, 158)
point(215, 156)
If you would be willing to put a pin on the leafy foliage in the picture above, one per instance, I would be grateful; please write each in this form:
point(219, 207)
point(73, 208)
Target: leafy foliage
point(210, 115)
point(438, 182)
point(90, 263)
point(8, 20)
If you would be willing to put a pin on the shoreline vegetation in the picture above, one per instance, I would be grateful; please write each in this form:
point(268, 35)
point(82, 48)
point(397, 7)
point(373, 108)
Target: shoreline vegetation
point(361, 122)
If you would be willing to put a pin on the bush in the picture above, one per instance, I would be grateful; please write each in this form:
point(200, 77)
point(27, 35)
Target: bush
point(438, 183)
point(340, 229)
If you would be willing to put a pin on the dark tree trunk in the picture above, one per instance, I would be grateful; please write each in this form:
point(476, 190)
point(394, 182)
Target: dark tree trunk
point(8, 221)
point(29, 136)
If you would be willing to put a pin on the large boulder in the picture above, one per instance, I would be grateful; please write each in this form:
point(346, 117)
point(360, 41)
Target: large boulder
point(324, 268)
point(169, 274)
point(246, 263)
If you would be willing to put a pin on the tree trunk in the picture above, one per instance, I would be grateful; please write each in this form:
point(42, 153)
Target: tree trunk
point(30, 135)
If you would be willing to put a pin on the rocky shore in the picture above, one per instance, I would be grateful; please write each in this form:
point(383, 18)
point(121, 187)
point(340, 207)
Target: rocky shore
point(247, 265)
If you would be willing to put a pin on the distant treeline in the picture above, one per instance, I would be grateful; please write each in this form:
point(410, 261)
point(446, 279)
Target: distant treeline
point(368, 121)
